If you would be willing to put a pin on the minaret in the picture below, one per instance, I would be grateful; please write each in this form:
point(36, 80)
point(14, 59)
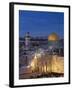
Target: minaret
point(27, 41)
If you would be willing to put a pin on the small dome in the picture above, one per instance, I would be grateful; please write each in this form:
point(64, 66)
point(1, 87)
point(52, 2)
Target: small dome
point(53, 37)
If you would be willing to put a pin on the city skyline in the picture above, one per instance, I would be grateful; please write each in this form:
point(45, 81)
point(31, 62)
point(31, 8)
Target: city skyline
point(41, 23)
point(41, 57)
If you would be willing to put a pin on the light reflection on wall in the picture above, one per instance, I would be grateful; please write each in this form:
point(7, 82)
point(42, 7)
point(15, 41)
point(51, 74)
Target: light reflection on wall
point(45, 64)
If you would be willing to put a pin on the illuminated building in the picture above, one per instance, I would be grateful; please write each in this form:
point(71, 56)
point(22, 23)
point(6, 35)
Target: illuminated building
point(55, 44)
point(42, 54)
point(27, 41)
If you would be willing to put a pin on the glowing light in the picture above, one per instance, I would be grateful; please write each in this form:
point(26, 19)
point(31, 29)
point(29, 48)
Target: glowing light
point(45, 69)
point(35, 57)
point(58, 65)
point(32, 64)
point(49, 68)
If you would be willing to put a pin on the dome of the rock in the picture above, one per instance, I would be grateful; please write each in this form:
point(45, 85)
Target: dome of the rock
point(53, 37)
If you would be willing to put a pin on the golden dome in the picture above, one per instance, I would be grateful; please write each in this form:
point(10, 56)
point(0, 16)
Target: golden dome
point(53, 37)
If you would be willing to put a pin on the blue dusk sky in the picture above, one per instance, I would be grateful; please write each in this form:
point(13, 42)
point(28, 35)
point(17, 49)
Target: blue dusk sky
point(40, 23)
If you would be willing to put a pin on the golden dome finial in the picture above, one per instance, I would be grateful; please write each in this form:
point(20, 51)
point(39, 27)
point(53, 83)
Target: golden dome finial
point(53, 37)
